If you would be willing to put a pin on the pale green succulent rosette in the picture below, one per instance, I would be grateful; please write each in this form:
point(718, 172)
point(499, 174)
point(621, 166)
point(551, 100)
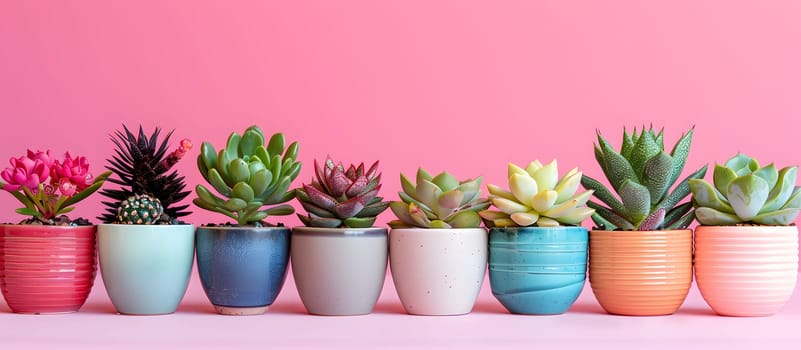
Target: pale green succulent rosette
point(745, 193)
point(440, 201)
point(537, 196)
point(642, 174)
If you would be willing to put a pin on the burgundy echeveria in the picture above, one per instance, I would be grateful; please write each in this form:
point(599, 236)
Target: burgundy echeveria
point(71, 175)
point(28, 171)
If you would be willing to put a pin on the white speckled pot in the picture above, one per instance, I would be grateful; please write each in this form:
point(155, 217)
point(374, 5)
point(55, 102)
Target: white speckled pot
point(339, 271)
point(438, 271)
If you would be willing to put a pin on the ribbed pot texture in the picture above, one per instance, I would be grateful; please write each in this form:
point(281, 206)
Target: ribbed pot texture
point(641, 273)
point(746, 270)
point(47, 269)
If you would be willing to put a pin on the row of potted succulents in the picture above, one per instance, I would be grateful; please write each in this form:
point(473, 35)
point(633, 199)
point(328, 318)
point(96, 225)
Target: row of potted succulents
point(640, 253)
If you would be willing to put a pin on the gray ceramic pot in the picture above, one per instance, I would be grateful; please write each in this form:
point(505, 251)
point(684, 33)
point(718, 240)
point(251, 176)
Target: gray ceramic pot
point(339, 271)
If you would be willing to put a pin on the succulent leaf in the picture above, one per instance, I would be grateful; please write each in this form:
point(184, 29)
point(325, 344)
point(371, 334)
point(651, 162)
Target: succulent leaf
point(359, 222)
point(656, 175)
point(243, 191)
point(525, 218)
point(546, 177)
point(679, 154)
point(500, 192)
point(781, 190)
point(722, 177)
point(769, 173)
point(465, 219)
point(524, 188)
point(714, 217)
point(645, 149)
point(568, 185)
point(781, 217)
point(705, 195)
point(654, 221)
point(747, 195)
point(446, 182)
point(616, 167)
point(612, 217)
point(544, 201)
point(636, 200)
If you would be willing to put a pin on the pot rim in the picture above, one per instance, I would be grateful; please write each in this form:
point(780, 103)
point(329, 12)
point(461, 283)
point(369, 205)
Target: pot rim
point(538, 228)
point(133, 225)
point(340, 231)
point(32, 227)
point(252, 228)
point(637, 232)
point(745, 229)
point(440, 230)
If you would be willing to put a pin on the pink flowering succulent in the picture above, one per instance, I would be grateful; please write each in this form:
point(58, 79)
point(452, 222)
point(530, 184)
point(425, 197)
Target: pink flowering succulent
point(49, 187)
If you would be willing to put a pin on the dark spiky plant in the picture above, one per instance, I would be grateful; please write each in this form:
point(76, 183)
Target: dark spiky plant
point(142, 168)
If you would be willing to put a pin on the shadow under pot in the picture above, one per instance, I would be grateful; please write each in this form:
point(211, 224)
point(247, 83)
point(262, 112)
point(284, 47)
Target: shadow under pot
point(46, 269)
point(339, 271)
point(641, 273)
point(438, 271)
point(746, 270)
point(242, 269)
point(146, 268)
point(537, 270)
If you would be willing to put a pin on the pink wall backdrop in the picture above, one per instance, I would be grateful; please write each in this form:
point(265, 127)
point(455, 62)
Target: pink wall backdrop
point(464, 86)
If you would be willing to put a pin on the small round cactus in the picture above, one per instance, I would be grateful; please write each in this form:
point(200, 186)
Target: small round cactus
point(139, 210)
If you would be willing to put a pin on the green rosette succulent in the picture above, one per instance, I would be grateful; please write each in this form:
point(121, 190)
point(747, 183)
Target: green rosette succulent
point(642, 174)
point(440, 201)
point(249, 175)
point(538, 197)
point(745, 193)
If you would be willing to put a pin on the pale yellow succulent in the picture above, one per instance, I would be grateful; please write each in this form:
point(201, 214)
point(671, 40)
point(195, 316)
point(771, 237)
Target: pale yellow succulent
point(539, 197)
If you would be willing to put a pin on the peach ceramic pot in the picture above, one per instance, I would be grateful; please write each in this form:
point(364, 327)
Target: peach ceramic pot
point(47, 269)
point(746, 270)
point(641, 273)
point(438, 271)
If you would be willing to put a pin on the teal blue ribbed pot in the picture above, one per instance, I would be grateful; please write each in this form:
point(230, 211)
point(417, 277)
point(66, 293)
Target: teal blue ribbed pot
point(146, 268)
point(537, 270)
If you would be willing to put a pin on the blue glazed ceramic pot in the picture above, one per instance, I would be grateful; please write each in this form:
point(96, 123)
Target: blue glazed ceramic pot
point(242, 269)
point(537, 270)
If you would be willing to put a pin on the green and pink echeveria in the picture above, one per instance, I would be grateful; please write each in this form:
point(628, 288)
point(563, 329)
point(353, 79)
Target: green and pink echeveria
point(440, 201)
point(342, 197)
point(742, 192)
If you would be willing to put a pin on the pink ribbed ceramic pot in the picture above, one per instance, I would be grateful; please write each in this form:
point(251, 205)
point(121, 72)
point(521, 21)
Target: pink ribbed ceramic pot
point(746, 270)
point(46, 269)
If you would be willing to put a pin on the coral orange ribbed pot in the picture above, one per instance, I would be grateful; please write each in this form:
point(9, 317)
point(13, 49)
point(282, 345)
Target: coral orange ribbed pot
point(746, 270)
point(641, 273)
point(47, 269)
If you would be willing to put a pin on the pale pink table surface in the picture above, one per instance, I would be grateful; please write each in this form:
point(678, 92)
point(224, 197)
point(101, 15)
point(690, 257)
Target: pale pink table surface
point(287, 325)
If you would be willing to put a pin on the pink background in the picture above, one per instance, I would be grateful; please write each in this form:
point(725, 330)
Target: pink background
point(463, 86)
